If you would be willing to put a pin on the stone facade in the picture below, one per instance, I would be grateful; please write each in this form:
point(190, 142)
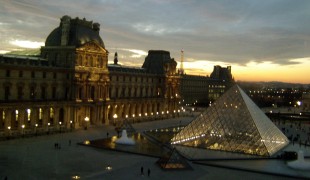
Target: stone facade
point(71, 85)
point(203, 90)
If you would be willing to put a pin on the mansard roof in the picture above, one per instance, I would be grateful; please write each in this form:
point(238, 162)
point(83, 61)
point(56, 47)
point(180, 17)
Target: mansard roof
point(125, 69)
point(80, 32)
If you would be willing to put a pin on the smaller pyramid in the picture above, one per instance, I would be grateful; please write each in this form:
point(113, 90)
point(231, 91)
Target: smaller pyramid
point(173, 161)
point(233, 123)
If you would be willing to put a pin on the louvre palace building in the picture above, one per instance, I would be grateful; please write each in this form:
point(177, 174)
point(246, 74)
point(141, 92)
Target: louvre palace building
point(70, 85)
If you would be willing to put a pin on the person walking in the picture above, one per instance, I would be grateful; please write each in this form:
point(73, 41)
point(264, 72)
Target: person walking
point(142, 171)
point(148, 172)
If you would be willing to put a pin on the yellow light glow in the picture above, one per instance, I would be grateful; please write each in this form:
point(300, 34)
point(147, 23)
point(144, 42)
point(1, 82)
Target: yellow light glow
point(252, 71)
point(27, 44)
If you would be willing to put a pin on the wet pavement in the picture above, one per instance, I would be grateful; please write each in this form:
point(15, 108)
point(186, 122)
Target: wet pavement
point(37, 158)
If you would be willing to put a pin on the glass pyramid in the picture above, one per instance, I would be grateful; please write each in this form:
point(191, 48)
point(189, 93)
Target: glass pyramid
point(233, 123)
point(173, 161)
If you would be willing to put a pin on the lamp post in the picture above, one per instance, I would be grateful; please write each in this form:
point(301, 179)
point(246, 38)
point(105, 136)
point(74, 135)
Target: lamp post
point(114, 119)
point(23, 127)
point(86, 122)
point(60, 126)
point(35, 128)
point(48, 128)
point(9, 128)
point(71, 125)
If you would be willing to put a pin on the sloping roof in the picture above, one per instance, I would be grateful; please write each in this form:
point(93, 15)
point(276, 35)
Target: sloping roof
point(233, 123)
point(125, 69)
point(81, 32)
point(173, 161)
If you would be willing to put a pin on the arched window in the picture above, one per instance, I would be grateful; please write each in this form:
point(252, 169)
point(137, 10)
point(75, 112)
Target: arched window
point(6, 92)
point(40, 114)
point(92, 92)
point(51, 115)
point(28, 112)
point(16, 115)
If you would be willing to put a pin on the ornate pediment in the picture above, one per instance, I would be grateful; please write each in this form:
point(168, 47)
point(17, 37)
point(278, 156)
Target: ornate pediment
point(92, 47)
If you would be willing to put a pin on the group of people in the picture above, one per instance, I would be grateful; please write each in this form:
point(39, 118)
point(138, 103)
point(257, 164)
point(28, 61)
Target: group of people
point(148, 172)
point(58, 145)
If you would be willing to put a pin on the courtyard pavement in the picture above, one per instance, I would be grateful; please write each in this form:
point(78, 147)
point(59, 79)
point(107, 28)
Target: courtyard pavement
point(37, 158)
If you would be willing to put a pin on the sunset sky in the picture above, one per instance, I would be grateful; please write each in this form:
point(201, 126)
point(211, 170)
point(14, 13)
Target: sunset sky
point(263, 40)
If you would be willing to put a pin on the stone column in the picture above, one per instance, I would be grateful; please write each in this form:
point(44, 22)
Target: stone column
point(56, 117)
point(105, 114)
point(45, 118)
point(7, 121)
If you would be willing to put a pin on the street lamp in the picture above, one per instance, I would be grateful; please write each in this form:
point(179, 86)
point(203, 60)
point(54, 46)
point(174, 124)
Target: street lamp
point(48, 128)
point(86, 121)
point(23, 126)
point(9, 128)
point(36, 125)
point(298, 103)
point(71, 125)
point(60, 126)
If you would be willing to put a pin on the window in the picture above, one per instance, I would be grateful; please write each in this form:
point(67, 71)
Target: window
point(8, 73)
point(123, 92)
point(55, 75)
point(40, 113)
point(3, 116)
point(32, 74)
point(20, 74)
point(67, 93)
point(16, 115)
point(116, 93)
point(6, 92)
point(32, 92)
point(44, 75)
point(43, 92)
point(80, 93)
point(51, 115)
point(20, 92)
point(92, 92)
point(28, 114)
point(54, 92)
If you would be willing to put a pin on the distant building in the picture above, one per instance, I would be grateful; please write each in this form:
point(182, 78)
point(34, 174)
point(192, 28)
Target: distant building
point(305, 103)
point(203, 89)
point(71, 85)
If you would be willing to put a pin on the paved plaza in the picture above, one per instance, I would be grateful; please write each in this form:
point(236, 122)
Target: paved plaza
point(38, 158)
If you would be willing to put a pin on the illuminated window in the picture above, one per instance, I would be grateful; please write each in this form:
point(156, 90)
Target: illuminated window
point(40, 113)
point(3, 115)
point(51, 113)
point(28, 114)
point(16, 115)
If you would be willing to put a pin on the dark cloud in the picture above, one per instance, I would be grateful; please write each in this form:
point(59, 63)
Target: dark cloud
point(238, 32)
